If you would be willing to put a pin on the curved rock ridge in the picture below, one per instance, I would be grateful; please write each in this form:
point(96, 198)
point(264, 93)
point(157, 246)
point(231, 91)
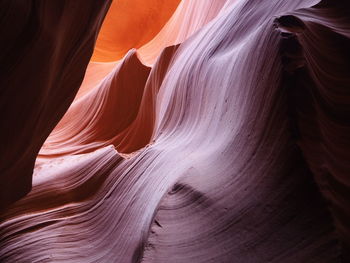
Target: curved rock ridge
point(232, 147)
point(76, 134)
point(44, 53)
point(189, 17)
point(94, 120)
point(120, 111)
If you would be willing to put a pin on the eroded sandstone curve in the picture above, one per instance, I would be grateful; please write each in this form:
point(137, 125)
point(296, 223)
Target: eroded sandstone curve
point(232, 146)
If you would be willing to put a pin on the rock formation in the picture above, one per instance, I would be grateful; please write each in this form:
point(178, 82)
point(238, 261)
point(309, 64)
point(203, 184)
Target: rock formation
point(221, 133)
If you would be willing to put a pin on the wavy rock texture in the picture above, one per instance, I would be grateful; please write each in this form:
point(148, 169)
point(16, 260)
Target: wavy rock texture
point(231, 146)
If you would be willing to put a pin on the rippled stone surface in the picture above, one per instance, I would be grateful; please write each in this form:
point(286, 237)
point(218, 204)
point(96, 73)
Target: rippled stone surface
point(225, 138)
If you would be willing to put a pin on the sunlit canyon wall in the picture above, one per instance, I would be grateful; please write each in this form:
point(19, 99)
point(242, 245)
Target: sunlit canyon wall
point(175, 131)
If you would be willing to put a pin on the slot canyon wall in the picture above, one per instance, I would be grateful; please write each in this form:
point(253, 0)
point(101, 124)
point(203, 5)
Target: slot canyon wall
point(175, 131)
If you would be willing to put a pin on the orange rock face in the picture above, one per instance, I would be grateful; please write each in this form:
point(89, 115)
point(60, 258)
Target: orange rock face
point(131, 24)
